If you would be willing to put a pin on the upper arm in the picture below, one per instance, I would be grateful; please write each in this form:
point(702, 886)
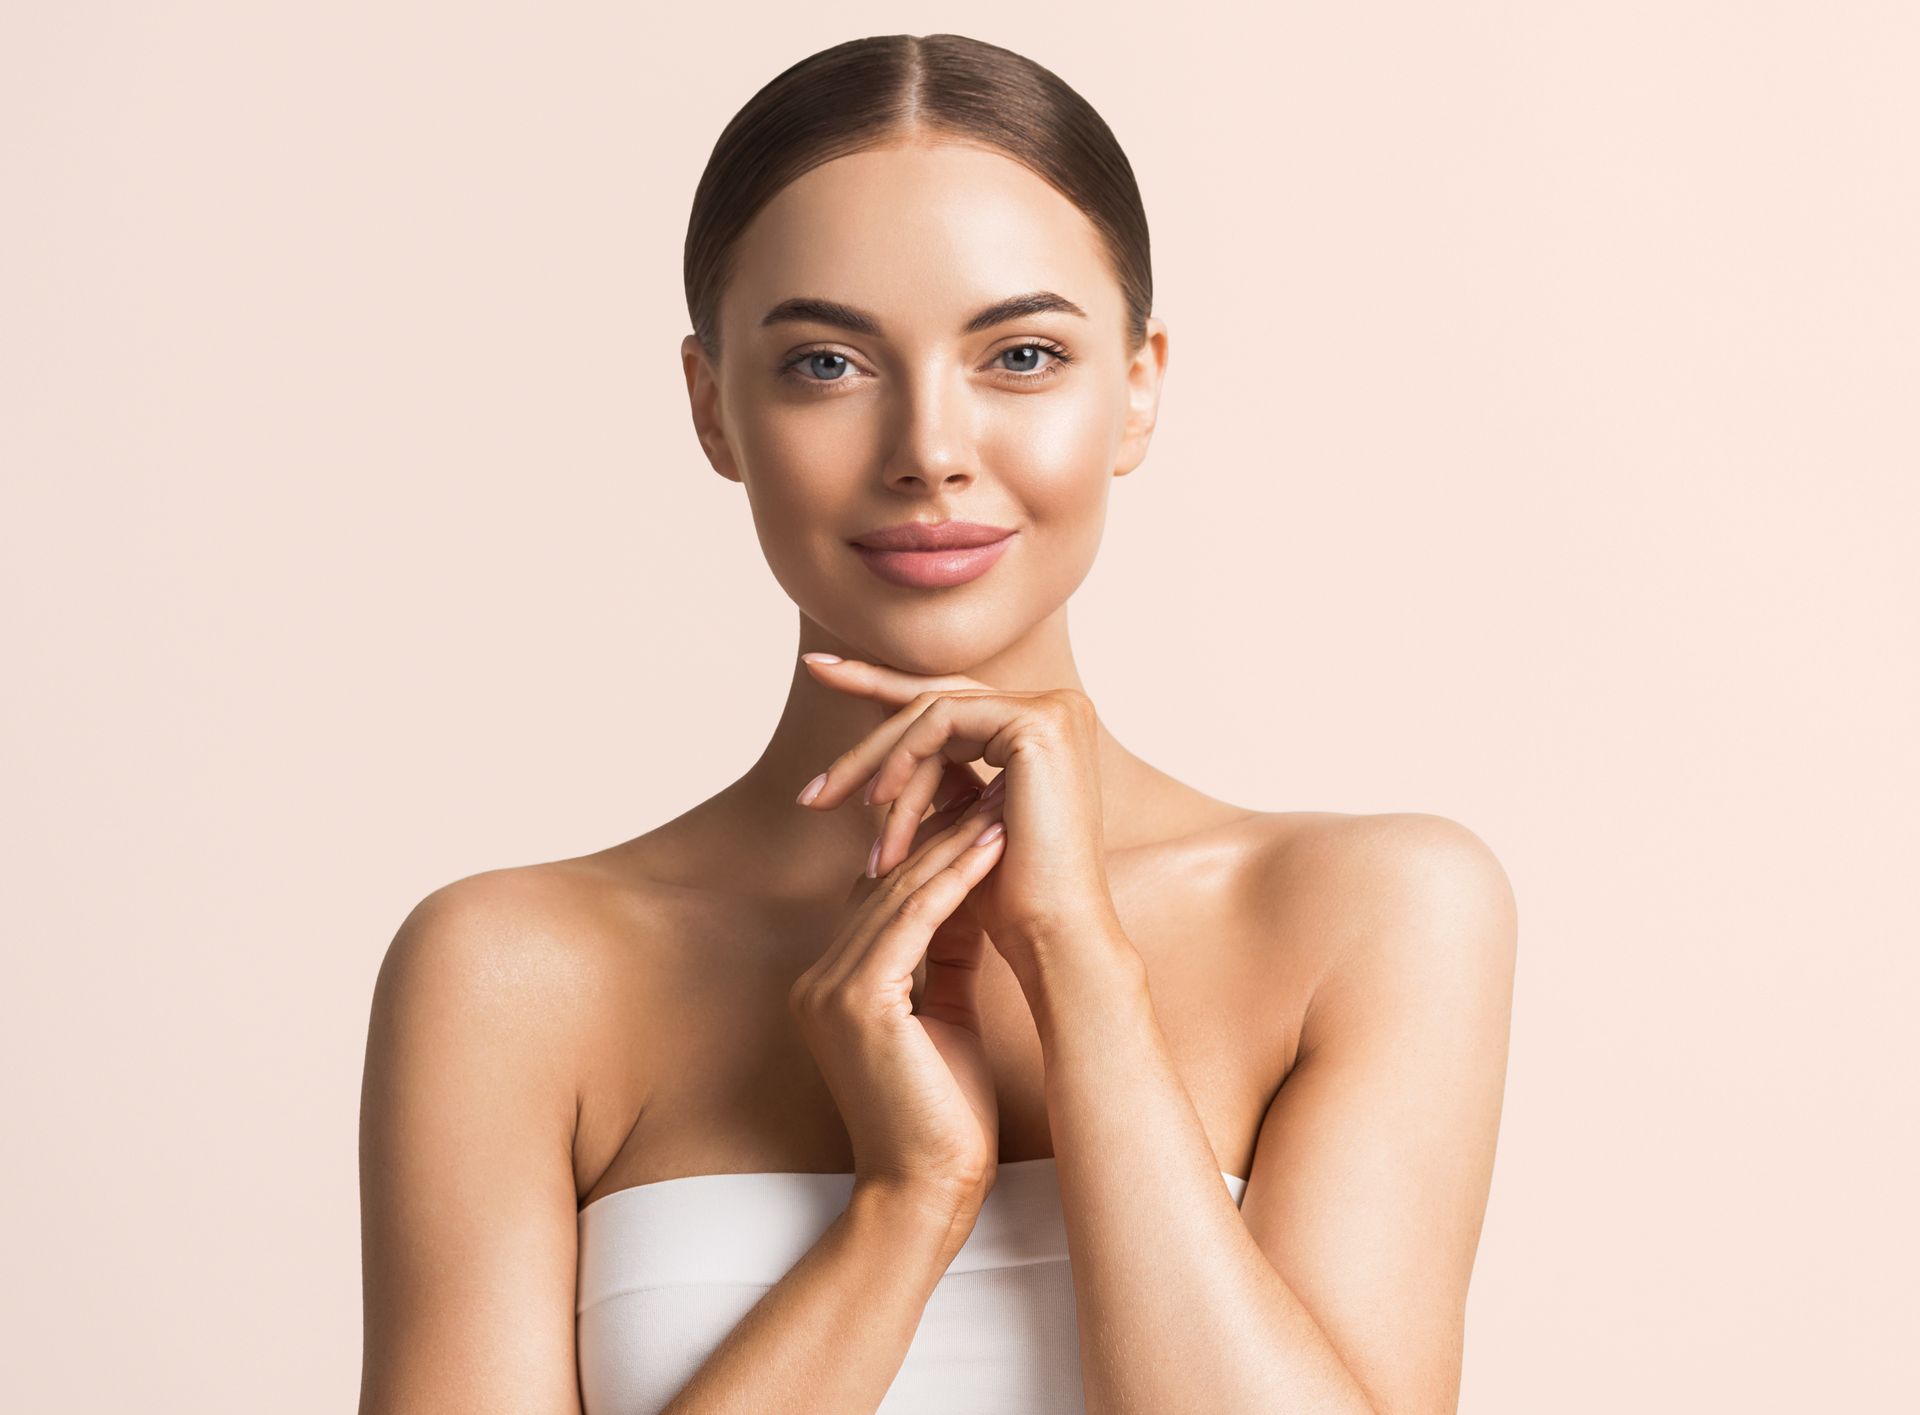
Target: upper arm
point(1372, 1168)
point(468, 1206)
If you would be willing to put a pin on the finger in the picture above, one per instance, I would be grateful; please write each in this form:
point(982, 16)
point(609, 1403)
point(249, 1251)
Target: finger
point(859, 764)
point(862, 679)
point(899, 768)
point(931, 737)
point(864, 901)
point(961, 726)
point(879, 912)
point(903, 815)
point(964, 728)
point(946, 810)
point(908, 934)
point(960, 788)
point(964, 799)
point(950, 991)
point(959, 781)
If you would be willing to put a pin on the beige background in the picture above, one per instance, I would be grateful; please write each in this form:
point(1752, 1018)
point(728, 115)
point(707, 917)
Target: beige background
point(1539, 449)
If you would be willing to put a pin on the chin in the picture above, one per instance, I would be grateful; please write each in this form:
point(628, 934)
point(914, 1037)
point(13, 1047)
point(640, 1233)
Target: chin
point(919, 643)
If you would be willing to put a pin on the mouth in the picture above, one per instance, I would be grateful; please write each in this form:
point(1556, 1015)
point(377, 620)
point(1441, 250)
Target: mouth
point(922, 555)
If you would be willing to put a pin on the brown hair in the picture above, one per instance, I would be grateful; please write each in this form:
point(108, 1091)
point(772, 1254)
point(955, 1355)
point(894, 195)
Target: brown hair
point(866, 92)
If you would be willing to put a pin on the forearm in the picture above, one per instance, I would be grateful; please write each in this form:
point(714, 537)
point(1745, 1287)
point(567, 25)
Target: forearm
point(1179, 1308)
point(829, 1337)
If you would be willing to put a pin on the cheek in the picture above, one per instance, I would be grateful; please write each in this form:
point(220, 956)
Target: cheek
point(805, 456)
point(1055, 453)
point(806, 482)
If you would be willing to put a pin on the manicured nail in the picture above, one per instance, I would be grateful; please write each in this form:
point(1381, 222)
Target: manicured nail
point(873, 859)
point(811, 789)
point(821, 657)
point(991, 833)
point(954, 797)
point(995, 787)
point(867, 795)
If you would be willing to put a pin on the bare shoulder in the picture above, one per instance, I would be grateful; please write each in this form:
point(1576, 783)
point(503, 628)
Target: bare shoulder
point(543, 914)
point(1400, 849)
point(530, 940)
point(1373, 1161)
point(483, 1034)
point(527, 976)
point(1409, 912)
point(1406, 879)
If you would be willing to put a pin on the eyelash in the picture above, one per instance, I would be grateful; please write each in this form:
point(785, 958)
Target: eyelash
point(1055, 365)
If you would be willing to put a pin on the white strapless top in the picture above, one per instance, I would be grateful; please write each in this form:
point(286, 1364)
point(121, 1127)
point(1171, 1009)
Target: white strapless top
point(667, 1270)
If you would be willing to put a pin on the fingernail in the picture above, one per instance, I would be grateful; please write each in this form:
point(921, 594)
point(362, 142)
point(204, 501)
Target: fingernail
point(821, 657)
point(873, 858)
point(811, 789)
point(991, 833)
point(867, 795)
point(954, 797)
point(994, 787)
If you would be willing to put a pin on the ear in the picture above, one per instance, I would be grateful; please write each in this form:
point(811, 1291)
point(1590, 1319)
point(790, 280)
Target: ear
point(1144, 376)
point(703, 394)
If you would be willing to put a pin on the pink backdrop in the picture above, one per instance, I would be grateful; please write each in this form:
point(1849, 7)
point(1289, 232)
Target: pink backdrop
point(1538, 449)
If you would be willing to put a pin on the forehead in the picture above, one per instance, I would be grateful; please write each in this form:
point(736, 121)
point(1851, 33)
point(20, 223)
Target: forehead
point(919, 231)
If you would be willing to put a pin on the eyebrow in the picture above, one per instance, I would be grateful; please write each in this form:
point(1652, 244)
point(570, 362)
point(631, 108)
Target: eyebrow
point(806, 309)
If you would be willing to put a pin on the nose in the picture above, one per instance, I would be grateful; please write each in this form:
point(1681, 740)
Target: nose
point(931, 445)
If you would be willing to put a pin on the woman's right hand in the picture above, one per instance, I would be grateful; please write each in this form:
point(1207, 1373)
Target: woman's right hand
point(913, 1087)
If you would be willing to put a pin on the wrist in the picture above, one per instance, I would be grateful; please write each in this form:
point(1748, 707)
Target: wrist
point(932, 1223)
point(1076, 976)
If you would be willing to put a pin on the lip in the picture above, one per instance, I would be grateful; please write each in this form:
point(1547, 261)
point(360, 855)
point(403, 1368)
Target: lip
point(926, 555)
point(932, 535)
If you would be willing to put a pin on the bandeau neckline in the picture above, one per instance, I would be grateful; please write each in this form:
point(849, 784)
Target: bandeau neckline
point(808, 1175)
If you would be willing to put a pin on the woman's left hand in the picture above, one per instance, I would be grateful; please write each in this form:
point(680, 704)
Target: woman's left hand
point(1050, 887)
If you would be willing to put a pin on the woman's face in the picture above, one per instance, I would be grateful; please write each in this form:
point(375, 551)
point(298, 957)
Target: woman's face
point(913, 403)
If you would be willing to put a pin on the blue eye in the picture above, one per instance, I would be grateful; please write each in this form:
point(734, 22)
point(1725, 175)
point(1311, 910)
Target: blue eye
point(818, 367)
point(1022, 361)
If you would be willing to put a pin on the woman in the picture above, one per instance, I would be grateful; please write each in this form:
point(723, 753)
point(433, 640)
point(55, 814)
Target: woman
point(1092, 1091)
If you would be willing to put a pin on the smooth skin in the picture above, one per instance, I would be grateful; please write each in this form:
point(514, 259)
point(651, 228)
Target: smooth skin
point(911, 1079)
point(1329, 994)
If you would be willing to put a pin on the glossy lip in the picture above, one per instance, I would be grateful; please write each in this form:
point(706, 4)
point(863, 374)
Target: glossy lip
point(924, 555)
point(932, 535)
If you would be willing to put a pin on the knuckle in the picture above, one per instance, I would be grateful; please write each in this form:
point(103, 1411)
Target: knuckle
point(842, 1005)
point(1068, 711)
point(923, 905)
point(1071, 702)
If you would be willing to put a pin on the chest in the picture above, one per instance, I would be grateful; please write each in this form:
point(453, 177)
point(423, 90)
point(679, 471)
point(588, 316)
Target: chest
point(720, 1081)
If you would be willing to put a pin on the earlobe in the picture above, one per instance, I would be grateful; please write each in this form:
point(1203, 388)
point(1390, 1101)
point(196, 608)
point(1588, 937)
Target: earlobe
point(703, 399)
point(1144, 376)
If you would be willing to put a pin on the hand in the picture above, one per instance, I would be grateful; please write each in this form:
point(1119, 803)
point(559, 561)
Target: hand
point(913, 1087)
point(1052, 880)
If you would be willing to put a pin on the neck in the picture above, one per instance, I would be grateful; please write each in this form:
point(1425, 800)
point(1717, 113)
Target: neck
point(818, 723)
